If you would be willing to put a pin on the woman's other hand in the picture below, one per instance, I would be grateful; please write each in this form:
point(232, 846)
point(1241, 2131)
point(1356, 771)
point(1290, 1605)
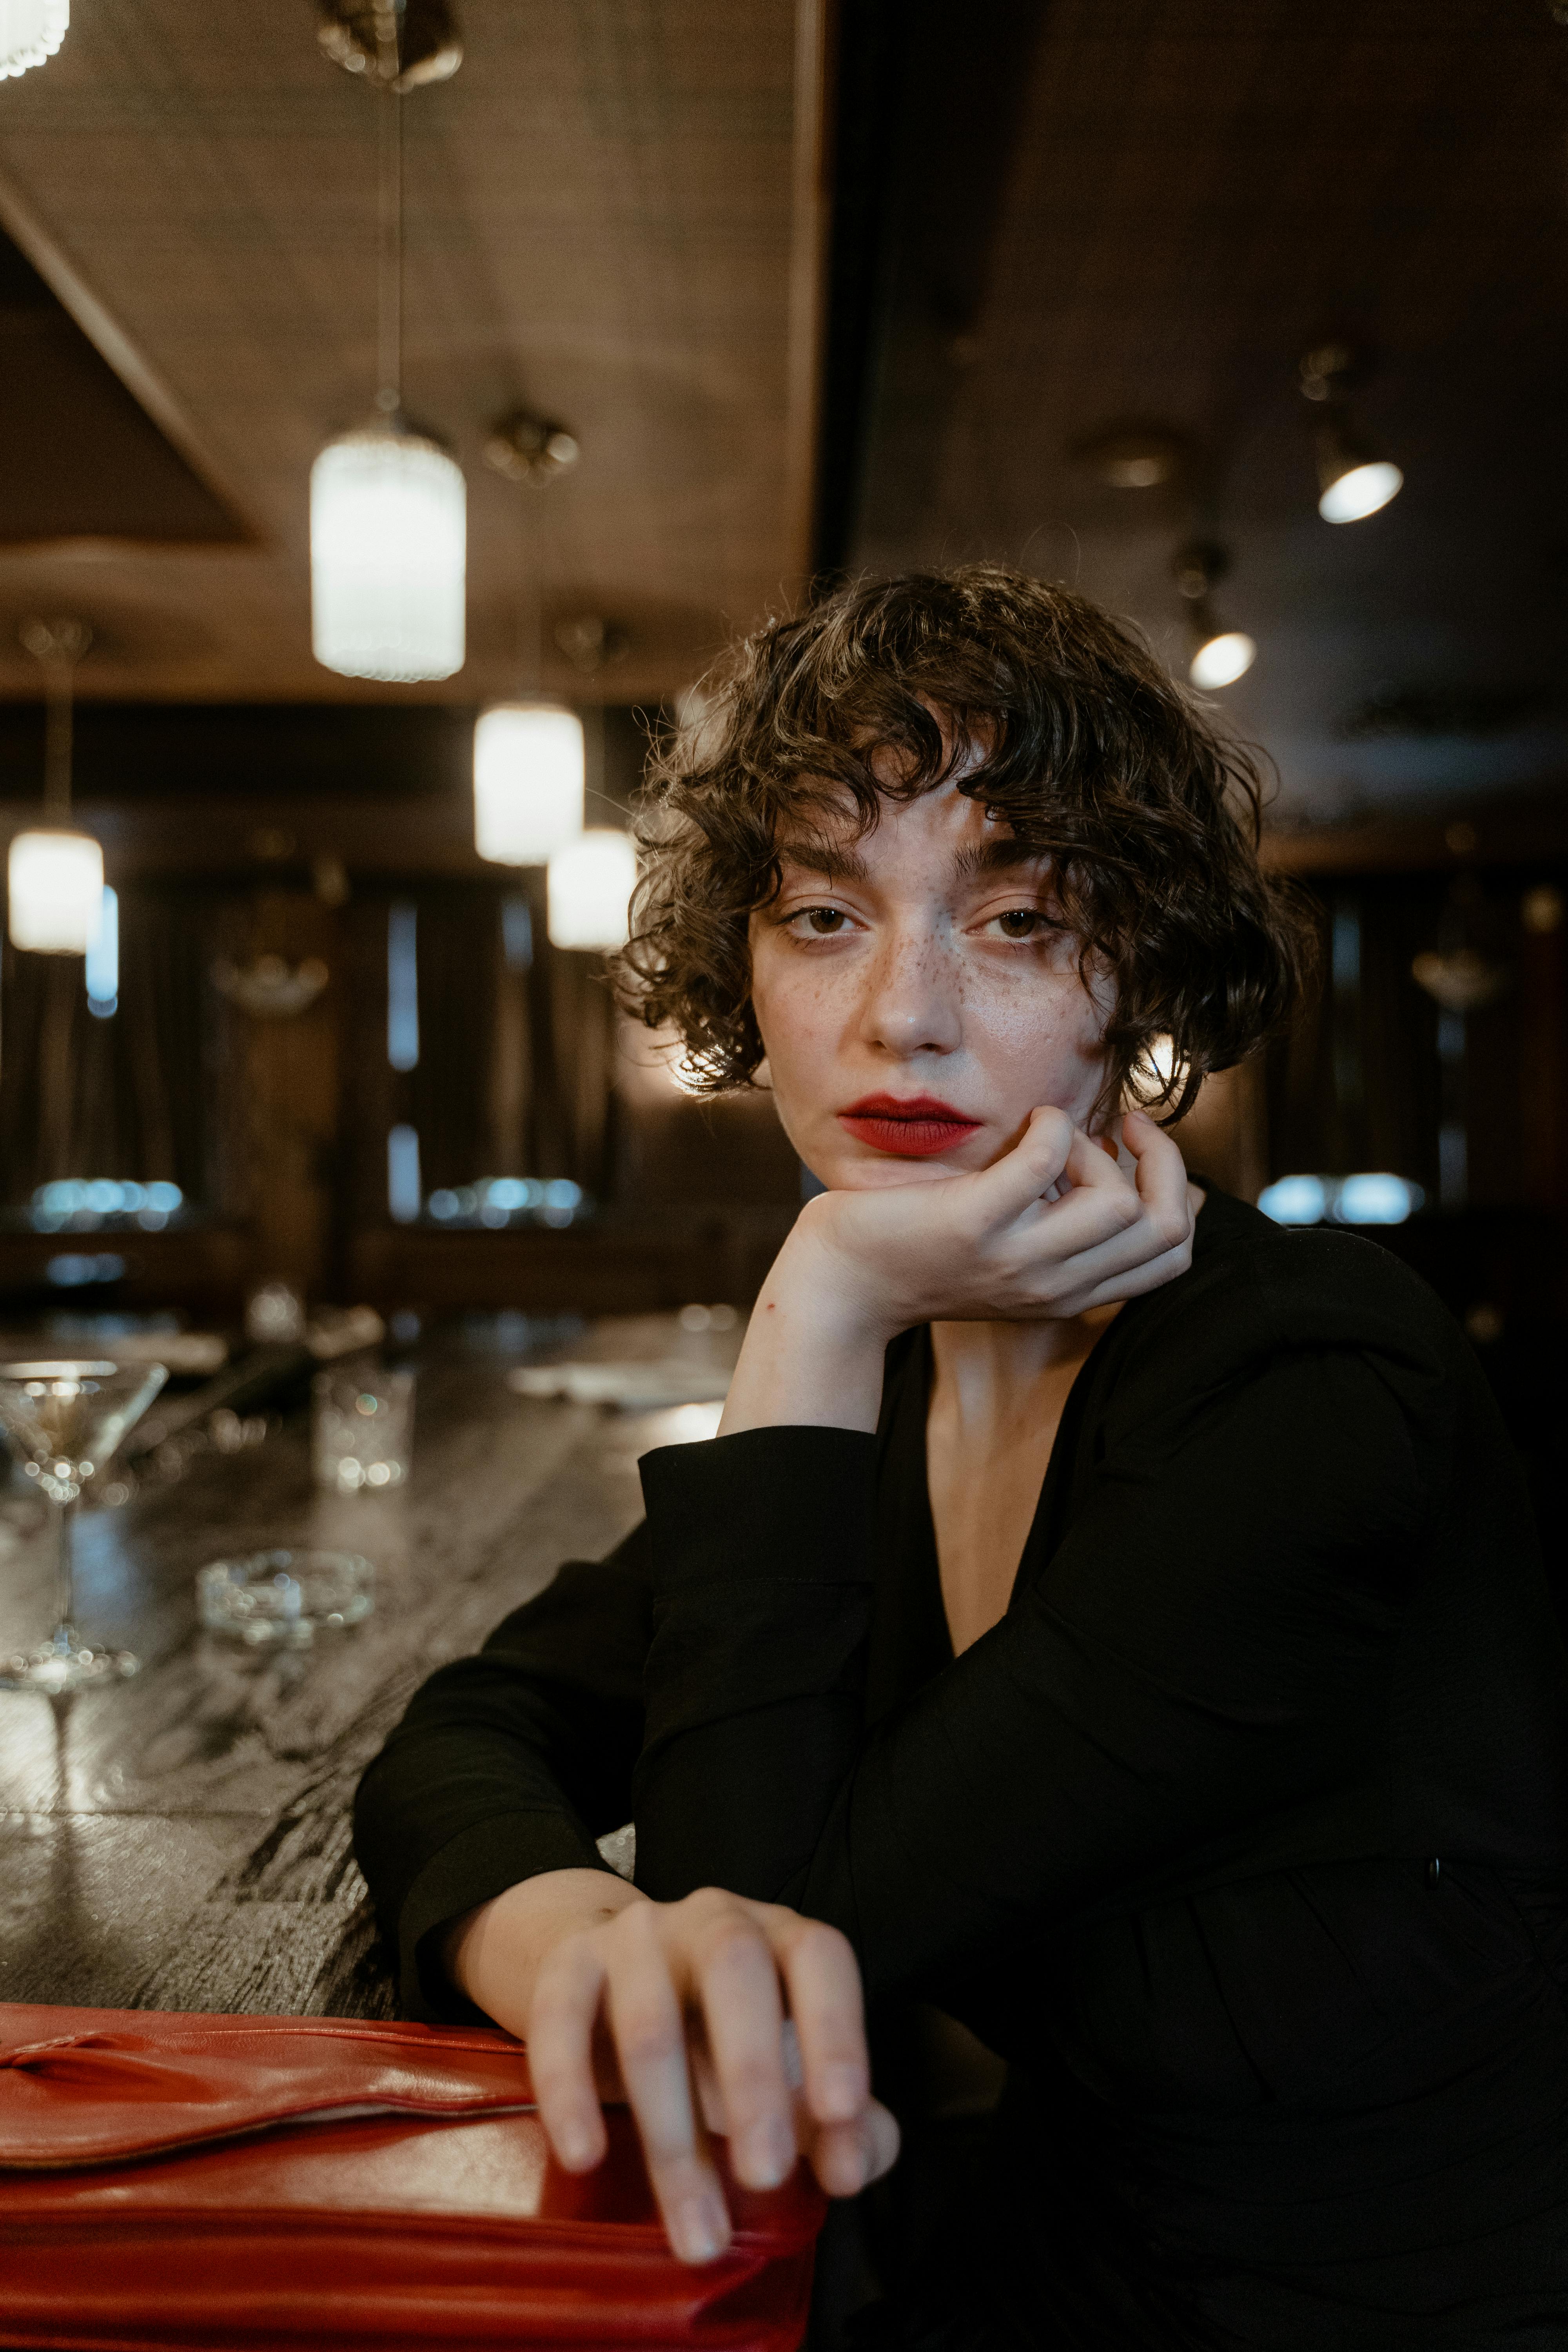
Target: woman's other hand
point(681, 2009)
point(1052, 1229)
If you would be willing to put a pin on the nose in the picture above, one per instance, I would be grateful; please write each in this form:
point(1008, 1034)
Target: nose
point(912, 1001)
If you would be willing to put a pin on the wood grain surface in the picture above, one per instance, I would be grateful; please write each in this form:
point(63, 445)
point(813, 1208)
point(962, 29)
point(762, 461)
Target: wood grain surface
point(181, 1841)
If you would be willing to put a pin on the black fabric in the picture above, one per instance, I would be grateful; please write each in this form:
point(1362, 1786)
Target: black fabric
point(1241, 1838)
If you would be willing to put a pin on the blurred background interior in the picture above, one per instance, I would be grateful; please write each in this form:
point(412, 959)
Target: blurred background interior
point(1244, 318)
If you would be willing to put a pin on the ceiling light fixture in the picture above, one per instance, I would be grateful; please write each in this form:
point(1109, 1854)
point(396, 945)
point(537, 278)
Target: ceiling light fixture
point(529, 781)
point(1354, 478)
point(590, 886)
point(55, 874)
point(529, 768)
point(388, 505)
point(1132, 456)
point(30, 33)
point(1218, 655)
point(528, 449)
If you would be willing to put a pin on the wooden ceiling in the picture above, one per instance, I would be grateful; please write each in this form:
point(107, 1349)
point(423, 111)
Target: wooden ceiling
point(1051, 216)
point(604, 210)
point(1148, 209)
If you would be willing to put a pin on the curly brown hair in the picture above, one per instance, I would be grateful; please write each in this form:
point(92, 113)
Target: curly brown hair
point(1084, 749)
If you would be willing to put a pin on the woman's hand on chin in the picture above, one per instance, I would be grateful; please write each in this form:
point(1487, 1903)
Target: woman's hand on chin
point(1052, 1229)
point(680, 2008)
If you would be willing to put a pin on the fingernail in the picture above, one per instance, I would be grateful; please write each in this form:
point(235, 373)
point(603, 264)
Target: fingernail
point(767, 2153)
point(701, 2227)
point(574, 2147)
point(840, 2094)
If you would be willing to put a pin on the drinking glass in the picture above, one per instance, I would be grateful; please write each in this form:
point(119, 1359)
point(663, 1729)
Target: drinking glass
point(364, 1429)
point(65, 1419)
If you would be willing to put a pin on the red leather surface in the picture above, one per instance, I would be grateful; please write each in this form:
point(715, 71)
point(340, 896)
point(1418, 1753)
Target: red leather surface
point(128, 2225)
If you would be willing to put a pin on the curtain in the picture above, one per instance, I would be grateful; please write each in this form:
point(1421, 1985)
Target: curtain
point(128, 1097)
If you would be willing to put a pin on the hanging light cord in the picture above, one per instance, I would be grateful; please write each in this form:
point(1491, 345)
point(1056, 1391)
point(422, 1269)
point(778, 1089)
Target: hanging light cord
point(389, 275)
point(57, 646)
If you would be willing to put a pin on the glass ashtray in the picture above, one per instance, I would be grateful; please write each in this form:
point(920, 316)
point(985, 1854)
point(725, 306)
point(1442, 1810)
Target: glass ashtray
point(285, 1597)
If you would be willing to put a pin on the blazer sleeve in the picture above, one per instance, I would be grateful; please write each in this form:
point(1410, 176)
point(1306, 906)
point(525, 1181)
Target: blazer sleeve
point(1210, 1642)
point(507, 1764)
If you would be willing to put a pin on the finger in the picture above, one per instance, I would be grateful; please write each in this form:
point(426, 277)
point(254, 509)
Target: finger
point(823, 1977)
point(1092, 1162)
point(1134, 1281)
point(1159, 1240)
point(1024, 1173)
point(1096, 1204)
point(649, 2029)
point(738, 1984)
point(847, 2158)
point(560, 2052)
point(1142, 1219)
point(1159, 1170)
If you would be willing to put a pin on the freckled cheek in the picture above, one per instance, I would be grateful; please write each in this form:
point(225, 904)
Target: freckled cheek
point(1041, 1042)
point(800, 1023)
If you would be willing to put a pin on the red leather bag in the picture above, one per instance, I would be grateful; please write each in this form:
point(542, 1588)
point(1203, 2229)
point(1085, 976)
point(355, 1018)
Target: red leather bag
point(308, 2183)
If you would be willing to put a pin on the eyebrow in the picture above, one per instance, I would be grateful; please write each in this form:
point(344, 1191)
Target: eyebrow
point(1004, 856)
point(821, 857)
point(1001, 857)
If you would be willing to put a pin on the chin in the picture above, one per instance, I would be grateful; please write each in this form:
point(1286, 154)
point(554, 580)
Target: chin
point(871, 1175)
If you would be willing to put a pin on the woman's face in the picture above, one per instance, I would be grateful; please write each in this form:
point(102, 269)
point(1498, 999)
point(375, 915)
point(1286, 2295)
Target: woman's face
point(916, 997)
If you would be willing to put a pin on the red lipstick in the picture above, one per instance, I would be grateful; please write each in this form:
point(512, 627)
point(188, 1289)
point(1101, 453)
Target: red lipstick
point(910, 1127)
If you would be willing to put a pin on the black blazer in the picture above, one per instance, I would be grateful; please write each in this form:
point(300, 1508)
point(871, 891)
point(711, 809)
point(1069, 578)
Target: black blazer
point(1243, 1837)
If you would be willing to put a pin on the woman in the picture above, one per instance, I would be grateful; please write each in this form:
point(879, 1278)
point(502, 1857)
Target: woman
point(1102, 1616)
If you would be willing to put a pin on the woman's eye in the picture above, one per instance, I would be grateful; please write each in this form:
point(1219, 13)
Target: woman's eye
point(1021, 922)
point(822, 922)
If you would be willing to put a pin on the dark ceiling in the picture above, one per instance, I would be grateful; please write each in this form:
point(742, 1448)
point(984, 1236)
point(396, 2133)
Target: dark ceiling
point(79, 459)
point(1056, 217)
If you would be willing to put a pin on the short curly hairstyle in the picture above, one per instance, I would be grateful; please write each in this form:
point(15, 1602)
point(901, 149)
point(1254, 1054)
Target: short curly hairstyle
point(1085, 748)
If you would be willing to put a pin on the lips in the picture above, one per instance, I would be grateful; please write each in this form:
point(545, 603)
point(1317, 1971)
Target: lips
point(911, 1127)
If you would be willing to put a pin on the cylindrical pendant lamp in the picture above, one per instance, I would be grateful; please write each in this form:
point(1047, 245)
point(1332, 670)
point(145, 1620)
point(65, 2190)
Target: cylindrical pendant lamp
point(388, 552)
point(589, 888)
point(528, 783)
point(30, 33)
point(55, 885)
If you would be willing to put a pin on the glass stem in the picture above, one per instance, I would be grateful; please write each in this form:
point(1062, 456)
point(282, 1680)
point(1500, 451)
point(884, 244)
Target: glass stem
point(65, 1576)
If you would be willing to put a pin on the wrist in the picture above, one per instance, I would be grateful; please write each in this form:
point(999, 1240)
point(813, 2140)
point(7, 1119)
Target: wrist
point(492, 1953)
point(820, 1280)
point(814, 1344)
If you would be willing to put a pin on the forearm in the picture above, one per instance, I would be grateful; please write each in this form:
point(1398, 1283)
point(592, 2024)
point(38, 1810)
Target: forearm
point(508, 1765)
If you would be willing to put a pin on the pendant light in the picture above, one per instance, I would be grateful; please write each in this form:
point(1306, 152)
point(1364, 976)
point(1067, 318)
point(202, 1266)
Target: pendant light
point(53, 873)
point(1218, 655)
point(528, 762)
point(30, 33)
point(528, 782)
point(388, 505)
point(1354, 478)
point(589, 888)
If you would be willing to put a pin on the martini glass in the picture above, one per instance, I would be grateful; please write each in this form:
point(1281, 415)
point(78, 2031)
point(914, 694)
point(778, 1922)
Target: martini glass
point(65, 1419)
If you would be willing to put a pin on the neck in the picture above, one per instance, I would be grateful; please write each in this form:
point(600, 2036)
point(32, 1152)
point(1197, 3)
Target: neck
point(981, 1366)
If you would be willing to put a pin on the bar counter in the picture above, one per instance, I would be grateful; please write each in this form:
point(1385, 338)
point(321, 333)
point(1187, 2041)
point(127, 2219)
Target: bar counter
point(182, 1841)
